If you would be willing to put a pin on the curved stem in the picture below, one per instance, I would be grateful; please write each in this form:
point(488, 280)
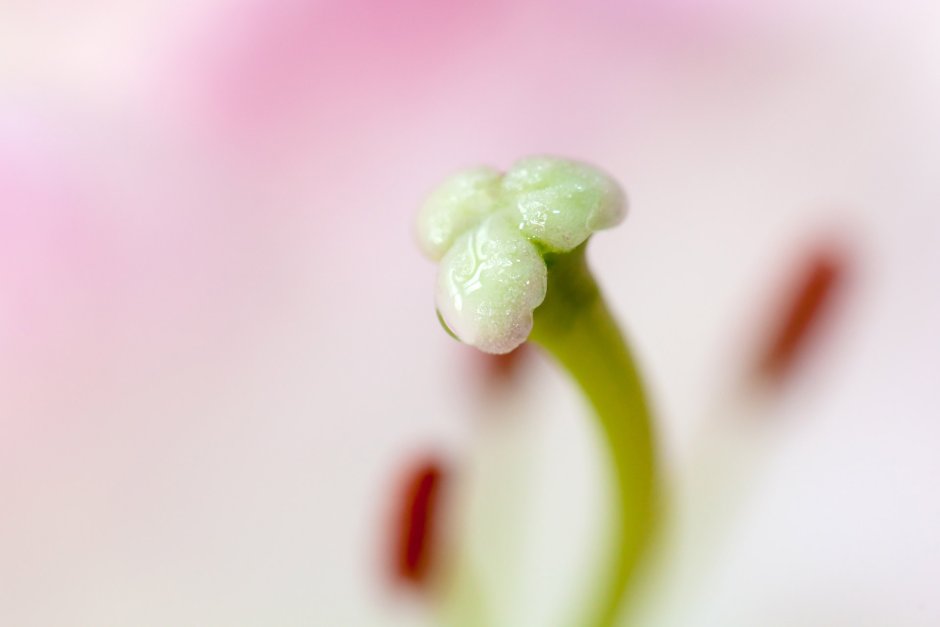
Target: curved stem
point(575, 326)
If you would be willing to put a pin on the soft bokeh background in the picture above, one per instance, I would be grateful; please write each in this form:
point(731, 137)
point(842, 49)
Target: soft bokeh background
point(218, 348)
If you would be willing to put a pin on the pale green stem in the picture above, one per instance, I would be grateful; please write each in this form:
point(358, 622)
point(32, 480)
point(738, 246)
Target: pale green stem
point(464, 604)
point(574, 325)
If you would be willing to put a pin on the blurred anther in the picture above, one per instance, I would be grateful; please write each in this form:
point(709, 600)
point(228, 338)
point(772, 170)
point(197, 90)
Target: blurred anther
point(500, 369)
point(801, 313)
point(417, 523)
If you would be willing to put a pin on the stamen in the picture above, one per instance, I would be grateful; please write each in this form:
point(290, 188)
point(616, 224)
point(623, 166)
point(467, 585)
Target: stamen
point(417, 523)
point(810, 300)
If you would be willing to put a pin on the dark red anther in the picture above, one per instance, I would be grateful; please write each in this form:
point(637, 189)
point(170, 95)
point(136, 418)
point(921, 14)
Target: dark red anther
point(501, 369)
point(811, 298)
point(417, 522)
point(502, 366)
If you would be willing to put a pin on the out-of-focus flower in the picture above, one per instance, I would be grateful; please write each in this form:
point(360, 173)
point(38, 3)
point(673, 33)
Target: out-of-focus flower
point(214, 340)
